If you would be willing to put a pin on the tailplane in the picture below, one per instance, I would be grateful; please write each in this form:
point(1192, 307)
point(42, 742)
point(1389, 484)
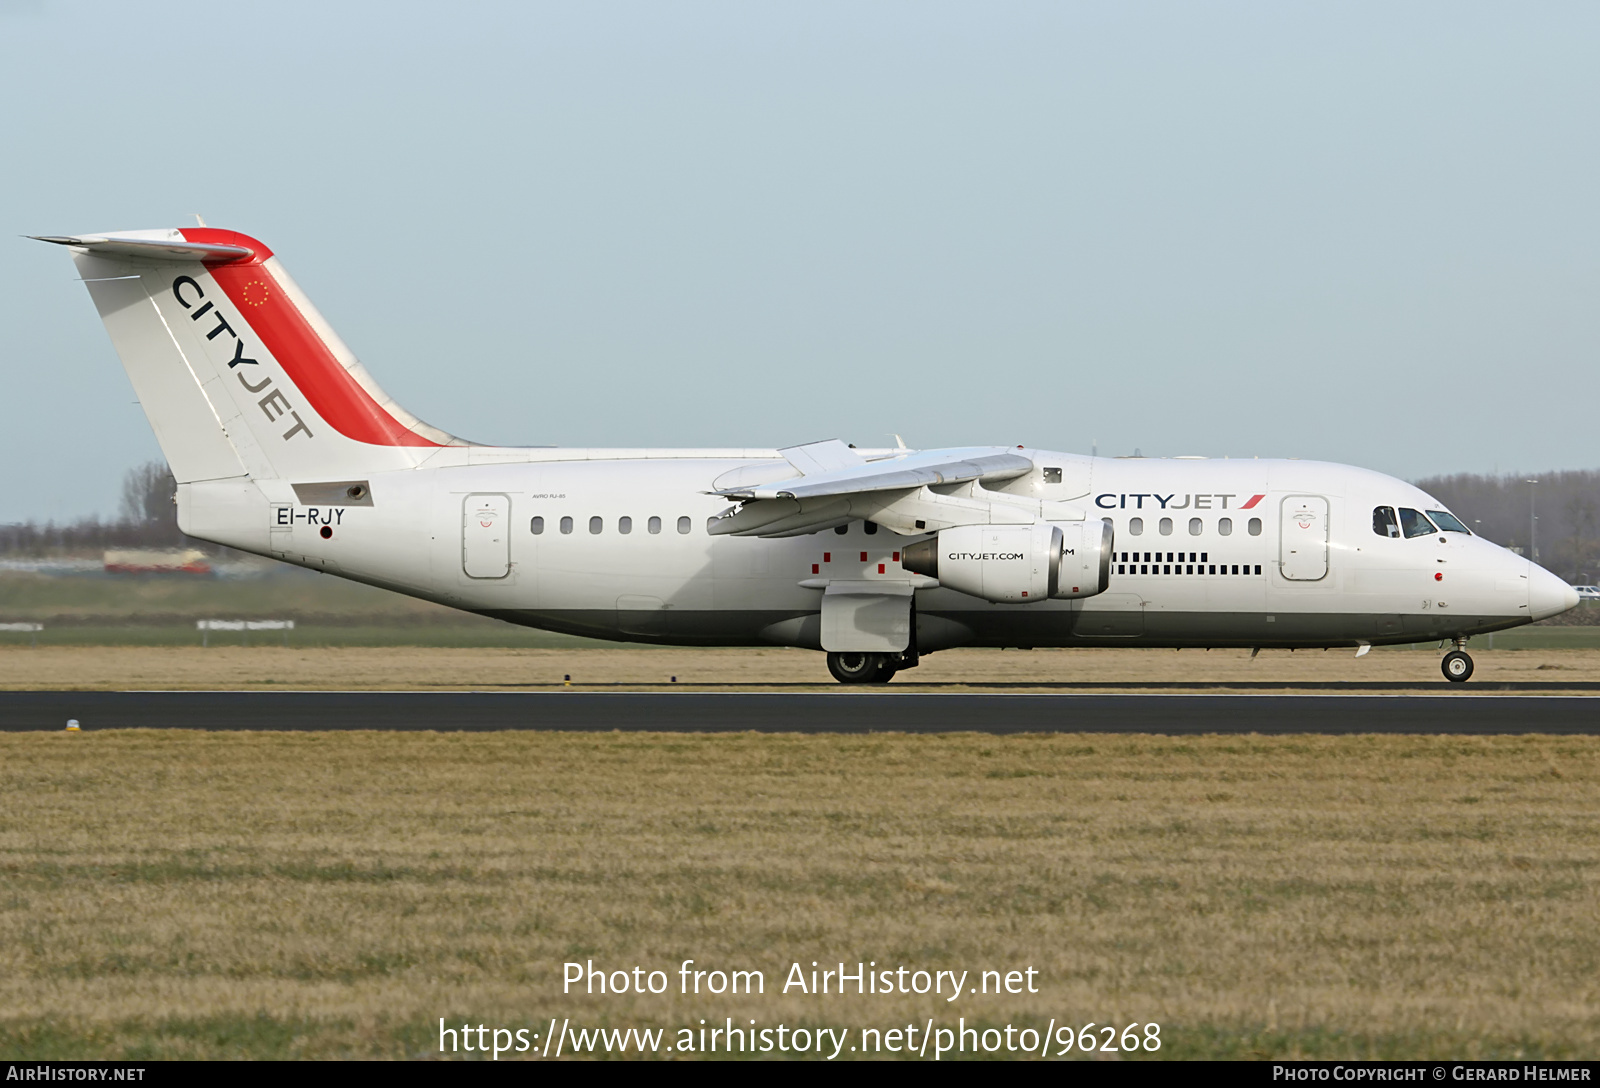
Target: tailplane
point(236, 370)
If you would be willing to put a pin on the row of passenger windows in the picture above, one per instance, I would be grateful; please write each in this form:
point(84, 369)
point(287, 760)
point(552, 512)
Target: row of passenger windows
point(597, 525)
point(1414, 523)
point(1182, 568)
point(1196, 526)
point(1385, 522)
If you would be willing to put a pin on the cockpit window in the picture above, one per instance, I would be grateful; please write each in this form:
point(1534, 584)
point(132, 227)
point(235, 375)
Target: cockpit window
point(1414, 524)
point(1447, 521)
point(1383, 521)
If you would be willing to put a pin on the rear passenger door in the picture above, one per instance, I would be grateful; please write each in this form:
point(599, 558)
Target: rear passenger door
point(485, 536)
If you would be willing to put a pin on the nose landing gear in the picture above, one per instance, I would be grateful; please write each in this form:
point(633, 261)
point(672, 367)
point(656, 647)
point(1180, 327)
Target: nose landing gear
point(1457, 665)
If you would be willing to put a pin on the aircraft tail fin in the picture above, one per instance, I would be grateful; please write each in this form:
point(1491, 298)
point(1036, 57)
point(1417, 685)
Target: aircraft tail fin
point(236, 370)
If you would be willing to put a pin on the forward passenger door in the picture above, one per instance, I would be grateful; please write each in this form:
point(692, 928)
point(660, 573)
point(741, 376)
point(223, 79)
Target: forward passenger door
point(1303, 538)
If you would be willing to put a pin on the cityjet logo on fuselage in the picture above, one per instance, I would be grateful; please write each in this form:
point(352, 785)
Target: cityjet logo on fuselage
point(1131, 501)
point(985, 557)
point(274, 405)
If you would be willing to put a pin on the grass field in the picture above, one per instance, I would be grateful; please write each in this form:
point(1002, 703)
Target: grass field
point(316, 895)
point(412, 668)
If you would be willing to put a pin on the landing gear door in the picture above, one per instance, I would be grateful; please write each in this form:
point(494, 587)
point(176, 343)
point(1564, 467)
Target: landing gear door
point(485, 536)
point(1303, 538)
point(866, 617)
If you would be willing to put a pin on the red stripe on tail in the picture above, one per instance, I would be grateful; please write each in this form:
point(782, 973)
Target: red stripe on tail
point(337, 397)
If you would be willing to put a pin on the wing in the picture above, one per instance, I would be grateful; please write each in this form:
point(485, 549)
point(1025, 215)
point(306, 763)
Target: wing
point(832, 474)
point(838, 485)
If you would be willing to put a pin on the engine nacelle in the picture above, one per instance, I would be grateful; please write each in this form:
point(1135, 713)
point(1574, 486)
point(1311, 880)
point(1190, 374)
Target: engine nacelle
point(1018, 563)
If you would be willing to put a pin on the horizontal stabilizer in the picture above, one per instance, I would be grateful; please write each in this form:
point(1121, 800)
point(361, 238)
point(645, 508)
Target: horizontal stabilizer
point(155, 249)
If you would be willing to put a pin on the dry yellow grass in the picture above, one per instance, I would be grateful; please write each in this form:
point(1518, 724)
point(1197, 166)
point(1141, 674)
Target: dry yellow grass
point(323, 895)
point(422, 669)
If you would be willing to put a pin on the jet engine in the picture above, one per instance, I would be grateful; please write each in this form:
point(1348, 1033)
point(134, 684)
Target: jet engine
point(1018, 563)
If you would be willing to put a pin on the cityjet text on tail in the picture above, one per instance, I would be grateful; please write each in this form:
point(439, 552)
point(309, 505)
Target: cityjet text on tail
point(283, 445)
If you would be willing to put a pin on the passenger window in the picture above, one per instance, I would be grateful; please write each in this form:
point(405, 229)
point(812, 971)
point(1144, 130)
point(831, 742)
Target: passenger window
point(566, 525)
point(1225, 527)
point(1448, 522)
point(624, 525)
point(654, 525)
point(595, 525)
point(1166, 526)
point(537, 525)
point(1413, 524)
point(1384, 523)
point(1194, 526)
point(1136, 526)
point(683, 524)
point(1254, 527)
point(1052, 475)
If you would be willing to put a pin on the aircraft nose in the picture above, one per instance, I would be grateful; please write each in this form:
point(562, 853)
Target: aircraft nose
point(1548, 595)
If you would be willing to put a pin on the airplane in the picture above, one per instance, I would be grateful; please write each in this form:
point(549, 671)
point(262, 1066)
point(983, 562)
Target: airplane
point(283, 445)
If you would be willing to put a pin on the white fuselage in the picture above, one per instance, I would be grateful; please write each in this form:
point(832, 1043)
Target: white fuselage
point(282, 444)
point(615, 544)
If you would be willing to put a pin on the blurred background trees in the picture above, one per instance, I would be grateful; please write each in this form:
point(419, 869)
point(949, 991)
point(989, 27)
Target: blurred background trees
point(148, 519)
point(1566, 534)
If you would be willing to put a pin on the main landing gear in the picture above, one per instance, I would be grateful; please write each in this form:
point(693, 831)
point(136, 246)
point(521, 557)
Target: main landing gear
point(1457, 666)
point(867, 668)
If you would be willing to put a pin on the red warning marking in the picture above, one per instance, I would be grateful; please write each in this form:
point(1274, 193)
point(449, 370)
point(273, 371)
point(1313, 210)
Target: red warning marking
point(827, 557)
point(897, 557)
point(815, 569)
point(863, 557)
point(880, 568)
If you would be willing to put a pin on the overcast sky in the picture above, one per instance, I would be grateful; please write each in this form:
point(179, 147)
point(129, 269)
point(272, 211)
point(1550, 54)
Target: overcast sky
point(1357, 232)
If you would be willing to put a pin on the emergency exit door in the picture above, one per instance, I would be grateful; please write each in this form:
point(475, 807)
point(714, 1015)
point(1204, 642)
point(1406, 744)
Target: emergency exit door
point(1303, 539)
point(485, 536)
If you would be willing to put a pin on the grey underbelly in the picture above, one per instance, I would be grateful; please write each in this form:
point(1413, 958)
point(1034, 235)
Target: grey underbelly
point(947, 628)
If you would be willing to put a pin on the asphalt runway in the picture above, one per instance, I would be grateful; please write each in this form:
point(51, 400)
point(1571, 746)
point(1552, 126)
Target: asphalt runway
point(782, 712)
